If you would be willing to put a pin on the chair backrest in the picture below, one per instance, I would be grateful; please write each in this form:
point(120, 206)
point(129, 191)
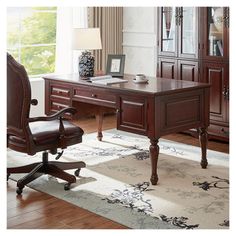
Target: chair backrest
point(18, 98)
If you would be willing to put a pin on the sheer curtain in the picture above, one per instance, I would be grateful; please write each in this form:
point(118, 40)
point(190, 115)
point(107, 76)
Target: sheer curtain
point(67, 19)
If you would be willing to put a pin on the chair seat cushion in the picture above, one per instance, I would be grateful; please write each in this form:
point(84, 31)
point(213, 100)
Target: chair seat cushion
point(45, 132)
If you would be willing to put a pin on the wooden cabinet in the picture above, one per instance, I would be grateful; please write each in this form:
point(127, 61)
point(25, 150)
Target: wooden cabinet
point(214, 42)
point(193, 44)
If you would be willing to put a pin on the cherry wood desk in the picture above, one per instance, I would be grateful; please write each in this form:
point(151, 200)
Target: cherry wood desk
point(160, 107)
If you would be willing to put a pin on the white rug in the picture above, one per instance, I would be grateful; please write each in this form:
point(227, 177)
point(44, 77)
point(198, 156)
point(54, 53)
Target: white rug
point(116, 183)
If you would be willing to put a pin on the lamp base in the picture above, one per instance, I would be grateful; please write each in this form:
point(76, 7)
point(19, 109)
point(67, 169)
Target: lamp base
point(86, 64)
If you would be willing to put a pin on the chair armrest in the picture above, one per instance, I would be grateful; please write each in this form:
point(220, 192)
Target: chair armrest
point(34, 102)
point(55, 116)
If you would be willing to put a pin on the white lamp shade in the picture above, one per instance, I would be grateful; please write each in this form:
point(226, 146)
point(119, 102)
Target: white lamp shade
point(86, 38)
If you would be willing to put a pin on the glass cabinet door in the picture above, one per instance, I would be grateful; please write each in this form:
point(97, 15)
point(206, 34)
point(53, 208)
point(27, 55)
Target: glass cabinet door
point(216, 33)
point(168, 31)
point(188, 26)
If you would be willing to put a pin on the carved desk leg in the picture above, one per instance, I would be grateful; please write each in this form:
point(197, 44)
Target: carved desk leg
point(99, 119)
point(203, 138)
point(154, 152)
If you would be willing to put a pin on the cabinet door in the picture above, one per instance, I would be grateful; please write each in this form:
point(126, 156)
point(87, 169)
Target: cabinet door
point(188, 70)
point(167, 68)
point(217, 76)
point(188, 32)
point(167, 31)
point(215, 23)
point(132, 112)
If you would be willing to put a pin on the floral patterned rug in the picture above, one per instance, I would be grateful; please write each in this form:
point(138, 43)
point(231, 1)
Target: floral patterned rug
point(115, 183)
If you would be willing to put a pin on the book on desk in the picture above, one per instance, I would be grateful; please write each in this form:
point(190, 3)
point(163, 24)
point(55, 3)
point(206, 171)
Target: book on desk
point(106, 80)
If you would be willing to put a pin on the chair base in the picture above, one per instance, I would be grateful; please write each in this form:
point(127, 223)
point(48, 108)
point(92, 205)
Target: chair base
point(53, 168)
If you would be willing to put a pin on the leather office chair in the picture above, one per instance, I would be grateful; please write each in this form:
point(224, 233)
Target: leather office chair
point(38, 134)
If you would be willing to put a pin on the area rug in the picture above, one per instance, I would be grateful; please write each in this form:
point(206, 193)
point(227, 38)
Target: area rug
point(115, 184)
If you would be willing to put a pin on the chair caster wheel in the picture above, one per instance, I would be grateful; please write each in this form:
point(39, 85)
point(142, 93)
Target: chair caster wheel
point(77, 172)
point(19, 191)
point(67, 187)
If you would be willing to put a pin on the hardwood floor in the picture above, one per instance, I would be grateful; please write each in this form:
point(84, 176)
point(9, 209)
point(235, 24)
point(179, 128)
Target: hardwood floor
point(36, 210)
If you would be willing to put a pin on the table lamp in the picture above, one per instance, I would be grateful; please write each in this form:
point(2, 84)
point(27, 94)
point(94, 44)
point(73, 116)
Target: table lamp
point(86, 39)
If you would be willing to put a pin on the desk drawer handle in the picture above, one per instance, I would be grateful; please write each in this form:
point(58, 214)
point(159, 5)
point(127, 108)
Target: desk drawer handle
point(94, 95)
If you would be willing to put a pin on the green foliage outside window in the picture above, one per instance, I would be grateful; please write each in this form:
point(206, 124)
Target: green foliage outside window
point(34, 37)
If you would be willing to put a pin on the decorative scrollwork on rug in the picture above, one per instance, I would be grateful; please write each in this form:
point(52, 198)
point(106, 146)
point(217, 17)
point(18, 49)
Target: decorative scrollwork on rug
point(213, 184)
point(225, 223)
point(178, 221)
point(141, 155)
point(133, 198)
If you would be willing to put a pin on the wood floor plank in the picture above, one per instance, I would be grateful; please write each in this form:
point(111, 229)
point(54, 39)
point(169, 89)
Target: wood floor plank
point(36, 210)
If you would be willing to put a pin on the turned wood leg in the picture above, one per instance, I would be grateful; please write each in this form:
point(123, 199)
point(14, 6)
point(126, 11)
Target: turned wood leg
point(203, 144)
point(154, 152)
point(99, 119)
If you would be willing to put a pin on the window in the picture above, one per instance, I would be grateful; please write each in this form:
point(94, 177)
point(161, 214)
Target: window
point(31, 38)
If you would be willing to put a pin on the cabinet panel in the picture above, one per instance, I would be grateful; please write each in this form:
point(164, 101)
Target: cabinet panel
point(132, 113)
point(167, 68)
point(217, 76)
point(188, 70)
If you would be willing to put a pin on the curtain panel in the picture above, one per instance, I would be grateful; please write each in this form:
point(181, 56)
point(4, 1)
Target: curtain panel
point(110, 22)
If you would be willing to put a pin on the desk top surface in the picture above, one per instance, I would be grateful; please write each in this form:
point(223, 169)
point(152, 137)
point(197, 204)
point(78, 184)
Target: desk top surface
point(153, 86)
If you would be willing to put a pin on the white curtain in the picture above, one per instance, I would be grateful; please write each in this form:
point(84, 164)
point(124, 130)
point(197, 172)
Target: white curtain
point(67, 19)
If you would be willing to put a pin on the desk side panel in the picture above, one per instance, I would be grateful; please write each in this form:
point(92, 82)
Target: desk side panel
point(182, 111)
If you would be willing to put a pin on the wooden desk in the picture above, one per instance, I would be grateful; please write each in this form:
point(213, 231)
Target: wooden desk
point(161, 107)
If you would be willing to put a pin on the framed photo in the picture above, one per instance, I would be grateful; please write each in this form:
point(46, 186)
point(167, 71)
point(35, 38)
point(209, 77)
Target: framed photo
point(115, 65)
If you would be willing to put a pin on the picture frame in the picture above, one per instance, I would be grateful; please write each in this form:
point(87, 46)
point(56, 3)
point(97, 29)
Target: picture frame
point(115, 65)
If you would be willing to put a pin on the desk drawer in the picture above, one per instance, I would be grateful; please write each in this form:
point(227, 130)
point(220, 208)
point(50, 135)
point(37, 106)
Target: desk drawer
point(56, 106)
point(59, 91)
point(94, 96)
